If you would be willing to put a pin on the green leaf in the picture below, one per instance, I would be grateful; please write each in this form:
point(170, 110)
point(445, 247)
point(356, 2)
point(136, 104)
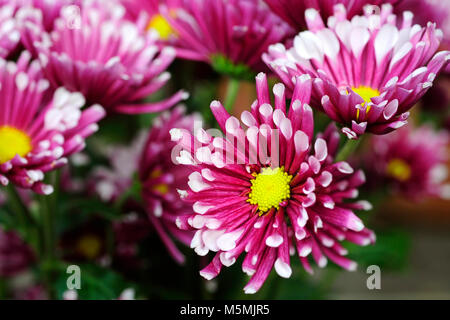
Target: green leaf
point(97, 283)
point(391, 250)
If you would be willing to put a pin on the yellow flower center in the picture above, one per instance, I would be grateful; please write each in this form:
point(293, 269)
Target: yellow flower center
point(270, 188)
point(399, 169)
point(89, 246)
point(162, 26)
point(161, 188)
point(366, 93)
point(12, 142)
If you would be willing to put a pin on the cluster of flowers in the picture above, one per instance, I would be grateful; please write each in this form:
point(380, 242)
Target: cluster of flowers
point(65, 65)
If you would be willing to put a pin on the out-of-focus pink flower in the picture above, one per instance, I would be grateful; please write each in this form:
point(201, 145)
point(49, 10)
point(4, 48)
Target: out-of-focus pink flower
point(293, 11)
point(9, 29)
point(425, 11)
point(36, 135)
point(107, 58)
point(46, 11)
point(412, 160)
point(367, 72)
point(110, 183)
point(230, 35)
point(15, 14)
point(128, 233)
point(15, 255)
point(161, 179)
point(272, 190)
point(137, 9)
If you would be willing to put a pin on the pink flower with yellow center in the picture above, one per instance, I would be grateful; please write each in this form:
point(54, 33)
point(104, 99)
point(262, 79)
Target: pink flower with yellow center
point(270, 191)
point(37, 134)
point(161, 179)
point(368, 72)
point(230, 35)
point(107, 58)
point(411, 160)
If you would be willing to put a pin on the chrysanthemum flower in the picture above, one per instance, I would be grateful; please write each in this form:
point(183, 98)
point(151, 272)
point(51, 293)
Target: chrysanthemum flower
point(437, 11)
point(270, 191)
point(412, 161)
point(161, 179)
point(367, 72)
point(36, 135)
point(43, 11)
point(15, 14)
point(105, 57)
point(135, 9)
point(229, 35)
point(428, 10)
point(9, 30)
point(292, 11)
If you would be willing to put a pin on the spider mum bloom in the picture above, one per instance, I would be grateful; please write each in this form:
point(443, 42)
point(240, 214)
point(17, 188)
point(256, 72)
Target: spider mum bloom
point(367, 72)
point(292, 11)
point(270, 191)
point(36, 135)
point(106, 58)
point(161, 178)
point(412, 160)
point(229, 35)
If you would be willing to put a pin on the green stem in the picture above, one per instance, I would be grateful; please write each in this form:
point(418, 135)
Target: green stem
point(232, 92)
point(47, 228)
point(48, 208)
point(349, 148)
point(25, 221)
point(16, 204)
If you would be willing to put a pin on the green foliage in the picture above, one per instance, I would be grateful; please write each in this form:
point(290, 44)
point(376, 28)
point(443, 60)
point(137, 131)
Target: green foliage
point(97, 283)
point(225, 66)
point(390, 252)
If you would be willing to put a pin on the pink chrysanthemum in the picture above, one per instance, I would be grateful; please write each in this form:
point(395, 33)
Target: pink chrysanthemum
point(36, 136)
point(15, 14)
point(271, 190)
point(105, 57)
point(430, 10)
point(412, 161)
point(230, 35)
point(43, 11)
point(367, 72)
point(161, 179)
point(9, 29)
point(292, 11)
point(135, 9)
